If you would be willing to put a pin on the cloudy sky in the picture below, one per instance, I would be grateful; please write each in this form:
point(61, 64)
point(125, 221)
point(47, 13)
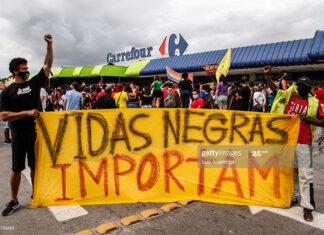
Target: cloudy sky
point(85, 31)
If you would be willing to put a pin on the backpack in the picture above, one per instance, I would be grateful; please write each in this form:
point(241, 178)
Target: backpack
point(169, 100)
point(208, 101)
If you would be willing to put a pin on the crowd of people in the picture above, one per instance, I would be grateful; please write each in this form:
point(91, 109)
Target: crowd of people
point(239, 95)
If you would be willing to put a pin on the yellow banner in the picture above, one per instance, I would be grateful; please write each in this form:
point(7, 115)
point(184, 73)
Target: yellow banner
point(158, 155)
point(224, 65)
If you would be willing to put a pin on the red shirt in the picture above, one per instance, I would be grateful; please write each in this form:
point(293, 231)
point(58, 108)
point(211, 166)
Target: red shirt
point(100, 94)
point(165, 92)
point(197, 103)
point(319, 93)
point(296, 107)
point(93, 96)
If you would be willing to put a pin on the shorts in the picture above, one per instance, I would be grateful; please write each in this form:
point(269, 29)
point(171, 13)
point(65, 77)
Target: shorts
point(221, 100)
point(22, 145)
point(157, 93)
point(6, 124)
point(146, 106)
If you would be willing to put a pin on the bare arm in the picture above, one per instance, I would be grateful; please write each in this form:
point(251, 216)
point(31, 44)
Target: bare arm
point(14, 116)
point(284, 84)
point(273, 87)
point(256, 100)
point(316, 122)
point(231, 102)
point(49, 55)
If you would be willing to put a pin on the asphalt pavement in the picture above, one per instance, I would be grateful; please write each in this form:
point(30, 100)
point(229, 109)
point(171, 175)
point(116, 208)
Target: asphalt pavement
point(194, 218)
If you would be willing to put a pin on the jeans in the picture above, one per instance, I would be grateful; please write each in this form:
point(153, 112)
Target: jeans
point(304, 176)
point(257, 108)
point(185, 96)
point(132, 105)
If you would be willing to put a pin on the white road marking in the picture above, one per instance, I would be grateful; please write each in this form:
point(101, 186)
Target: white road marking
point(61, 213)
point(295, 213)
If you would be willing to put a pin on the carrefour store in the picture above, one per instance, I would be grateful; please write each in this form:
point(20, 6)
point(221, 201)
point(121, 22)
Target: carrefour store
point(300, 57)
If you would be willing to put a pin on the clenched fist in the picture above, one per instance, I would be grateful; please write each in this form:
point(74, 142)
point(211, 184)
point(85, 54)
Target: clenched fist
point(267, 69)
point(48, 38)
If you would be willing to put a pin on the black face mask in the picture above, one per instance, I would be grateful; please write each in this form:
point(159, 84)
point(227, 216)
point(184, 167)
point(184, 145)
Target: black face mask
point(303, 91)
point(24, 75)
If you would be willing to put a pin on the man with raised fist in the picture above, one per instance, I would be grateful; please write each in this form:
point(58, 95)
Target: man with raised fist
point(20, 103)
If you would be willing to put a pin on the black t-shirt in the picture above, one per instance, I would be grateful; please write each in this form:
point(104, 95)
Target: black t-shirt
point(185, 85)
point(242, 104)
point(280, 83)
point(21, 97)
point(146, 100)
point(106, 102)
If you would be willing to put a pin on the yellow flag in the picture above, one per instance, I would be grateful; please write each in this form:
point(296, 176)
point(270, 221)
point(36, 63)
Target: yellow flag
point(224, 65)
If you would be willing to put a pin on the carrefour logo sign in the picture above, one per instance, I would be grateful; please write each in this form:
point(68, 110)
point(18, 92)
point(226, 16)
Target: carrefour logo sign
point(182, 45)
point(133, 54)
point(142, 53)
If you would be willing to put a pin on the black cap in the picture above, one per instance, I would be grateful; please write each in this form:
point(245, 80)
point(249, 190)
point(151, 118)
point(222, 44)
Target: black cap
point(304, 80)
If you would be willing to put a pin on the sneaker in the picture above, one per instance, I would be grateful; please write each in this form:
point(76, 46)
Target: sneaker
point(11, 207)
point(308, 215)
point(7, 141)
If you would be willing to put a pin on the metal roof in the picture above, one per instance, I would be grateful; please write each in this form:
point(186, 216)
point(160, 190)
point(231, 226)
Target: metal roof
point(297, 52)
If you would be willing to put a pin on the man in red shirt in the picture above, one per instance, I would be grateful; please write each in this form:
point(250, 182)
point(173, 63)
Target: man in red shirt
point(197, 103)
point(298, 104)
point(102, 92)
point(319, 94)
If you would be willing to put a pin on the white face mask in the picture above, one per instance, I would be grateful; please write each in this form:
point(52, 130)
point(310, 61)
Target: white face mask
point(195, 96)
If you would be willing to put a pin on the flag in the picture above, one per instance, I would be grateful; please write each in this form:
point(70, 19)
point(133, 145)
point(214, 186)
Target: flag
point(224, 65)
point(176, 77)
point(210, 70)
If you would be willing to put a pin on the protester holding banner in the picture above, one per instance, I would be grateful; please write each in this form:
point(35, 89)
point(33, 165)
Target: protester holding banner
point(297, 100)
point(19, 103)
point(185, 86)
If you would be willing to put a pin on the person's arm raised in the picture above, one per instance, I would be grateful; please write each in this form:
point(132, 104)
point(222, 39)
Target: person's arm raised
point(49, 55)
point(267, 70)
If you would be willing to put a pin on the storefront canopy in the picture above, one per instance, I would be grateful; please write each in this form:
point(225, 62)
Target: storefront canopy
point(89, 71)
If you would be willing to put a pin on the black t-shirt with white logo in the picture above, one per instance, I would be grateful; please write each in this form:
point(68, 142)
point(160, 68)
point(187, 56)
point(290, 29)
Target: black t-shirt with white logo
point(21, 97)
